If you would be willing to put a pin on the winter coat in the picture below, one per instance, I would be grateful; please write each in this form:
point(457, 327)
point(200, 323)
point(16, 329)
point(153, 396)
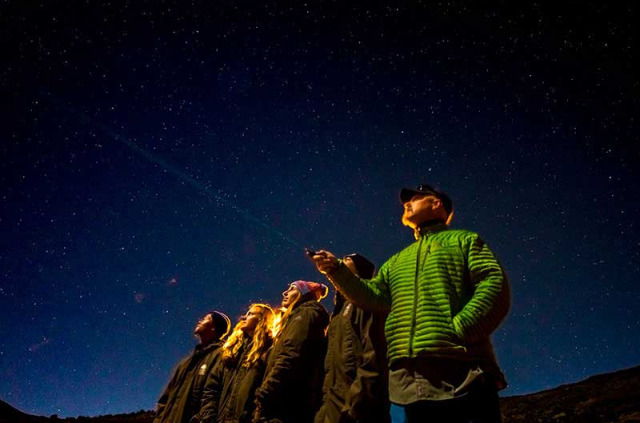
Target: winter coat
point(292, 387)
point(181, 399)
point(230, 390)
point(356, 374)
point(445, 293)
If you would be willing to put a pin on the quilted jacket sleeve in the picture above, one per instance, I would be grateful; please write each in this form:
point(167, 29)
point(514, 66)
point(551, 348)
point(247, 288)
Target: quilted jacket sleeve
point(491, 297)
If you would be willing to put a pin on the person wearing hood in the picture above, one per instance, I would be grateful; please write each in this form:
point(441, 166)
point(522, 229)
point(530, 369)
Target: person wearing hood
point(181, 399)
point(291, 390)
point(230, 390)
point(355, 381)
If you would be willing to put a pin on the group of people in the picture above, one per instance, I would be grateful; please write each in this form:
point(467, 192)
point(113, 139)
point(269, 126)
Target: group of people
point(416, 334)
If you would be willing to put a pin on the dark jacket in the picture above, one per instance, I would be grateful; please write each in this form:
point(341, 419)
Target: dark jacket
point(356, 375)
point(181, 398)
point(292, 387)
point(230, 390)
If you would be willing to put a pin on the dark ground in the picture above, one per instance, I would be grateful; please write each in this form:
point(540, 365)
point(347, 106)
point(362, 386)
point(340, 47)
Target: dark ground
point(606, 398)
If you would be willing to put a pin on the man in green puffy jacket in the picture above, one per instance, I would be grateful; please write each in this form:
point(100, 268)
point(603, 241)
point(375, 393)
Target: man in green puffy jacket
point(445, 294)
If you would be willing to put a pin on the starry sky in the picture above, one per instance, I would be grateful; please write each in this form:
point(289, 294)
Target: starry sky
point(164, 158)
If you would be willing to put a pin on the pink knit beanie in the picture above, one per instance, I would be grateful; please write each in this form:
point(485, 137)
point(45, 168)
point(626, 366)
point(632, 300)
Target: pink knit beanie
point(318, 290)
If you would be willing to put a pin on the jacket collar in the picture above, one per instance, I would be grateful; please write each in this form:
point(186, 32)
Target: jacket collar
point(201, 349)
point(429, 228)
point(307, 302)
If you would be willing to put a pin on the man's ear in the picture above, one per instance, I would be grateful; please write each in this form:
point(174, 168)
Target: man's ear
point(436, 203)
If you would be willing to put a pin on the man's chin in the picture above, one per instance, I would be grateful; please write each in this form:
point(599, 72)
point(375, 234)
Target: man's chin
point(406, 221)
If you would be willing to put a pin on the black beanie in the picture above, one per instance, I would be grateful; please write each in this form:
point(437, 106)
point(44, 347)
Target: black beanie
point(221, 322)
point(364, 267)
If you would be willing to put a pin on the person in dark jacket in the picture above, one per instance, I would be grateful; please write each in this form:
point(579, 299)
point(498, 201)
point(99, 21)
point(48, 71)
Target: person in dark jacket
point(181, 399)
point(292, 387)
point(356, 374)
point(230, 390)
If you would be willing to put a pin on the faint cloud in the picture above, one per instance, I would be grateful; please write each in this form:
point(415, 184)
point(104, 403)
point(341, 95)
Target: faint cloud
point(249, 246)
point(36, 347)
point(139, 297)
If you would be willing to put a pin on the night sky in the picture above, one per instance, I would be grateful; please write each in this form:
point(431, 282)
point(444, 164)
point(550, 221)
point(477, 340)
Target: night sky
point(161, 159)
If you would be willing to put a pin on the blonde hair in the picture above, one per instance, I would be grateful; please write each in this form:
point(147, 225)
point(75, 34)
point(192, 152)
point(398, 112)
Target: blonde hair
point(260, 342)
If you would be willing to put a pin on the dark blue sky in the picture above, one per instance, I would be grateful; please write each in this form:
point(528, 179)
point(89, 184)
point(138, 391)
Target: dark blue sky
point(161, 159)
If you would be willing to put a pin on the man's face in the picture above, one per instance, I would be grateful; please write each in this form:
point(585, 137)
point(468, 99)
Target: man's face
point(204, 325)
point(290, 295)
point(422, 208)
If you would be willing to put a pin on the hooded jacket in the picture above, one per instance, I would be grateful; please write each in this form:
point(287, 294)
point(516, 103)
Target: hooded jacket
point(292, 385)
point(445, 294)
point(181, 399)
point(356, 374)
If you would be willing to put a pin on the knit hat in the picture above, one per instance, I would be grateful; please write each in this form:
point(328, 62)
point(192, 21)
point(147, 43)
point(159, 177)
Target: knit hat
point(317, 290)
point(364, 267)
point(221, 322)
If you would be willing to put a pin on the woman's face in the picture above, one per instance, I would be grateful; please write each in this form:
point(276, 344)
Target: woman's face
point(290, 296)
point(251, 320)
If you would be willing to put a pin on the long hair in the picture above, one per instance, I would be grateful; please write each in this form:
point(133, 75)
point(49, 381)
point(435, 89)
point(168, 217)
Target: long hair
point(260, 341)
point(283, 316)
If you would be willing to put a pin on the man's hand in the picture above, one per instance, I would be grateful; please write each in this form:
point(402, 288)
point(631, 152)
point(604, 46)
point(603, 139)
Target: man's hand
point(326, 262)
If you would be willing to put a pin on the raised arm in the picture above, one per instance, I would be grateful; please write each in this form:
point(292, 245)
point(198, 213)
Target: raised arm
point(369, 294)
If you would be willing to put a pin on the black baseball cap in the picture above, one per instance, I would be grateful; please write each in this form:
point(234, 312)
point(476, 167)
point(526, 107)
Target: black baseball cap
point(425, 189)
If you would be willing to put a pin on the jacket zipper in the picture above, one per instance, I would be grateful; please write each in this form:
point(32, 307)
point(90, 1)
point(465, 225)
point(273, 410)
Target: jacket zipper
point(415, 299)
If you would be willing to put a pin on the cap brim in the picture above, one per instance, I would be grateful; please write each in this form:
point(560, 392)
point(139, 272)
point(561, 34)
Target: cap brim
point(406, 194)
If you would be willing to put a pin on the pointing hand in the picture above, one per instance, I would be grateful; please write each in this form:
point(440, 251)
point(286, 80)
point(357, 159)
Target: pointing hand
point(326, 262)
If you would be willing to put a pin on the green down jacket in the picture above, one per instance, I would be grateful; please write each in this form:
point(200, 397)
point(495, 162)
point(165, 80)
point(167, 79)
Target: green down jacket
point(445, 293)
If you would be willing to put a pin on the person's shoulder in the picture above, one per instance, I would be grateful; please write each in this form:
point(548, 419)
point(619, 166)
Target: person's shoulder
point(408, 249)
point(214, 347)
point(312, 309)
point(399, 257)
point(460, 234)
point(212, 351)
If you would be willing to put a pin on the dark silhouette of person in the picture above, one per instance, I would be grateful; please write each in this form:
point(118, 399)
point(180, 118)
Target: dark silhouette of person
point(181, 399)
point(356, 373)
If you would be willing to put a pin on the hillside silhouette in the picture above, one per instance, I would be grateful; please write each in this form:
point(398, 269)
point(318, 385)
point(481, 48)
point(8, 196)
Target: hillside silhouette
point(606, 398)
